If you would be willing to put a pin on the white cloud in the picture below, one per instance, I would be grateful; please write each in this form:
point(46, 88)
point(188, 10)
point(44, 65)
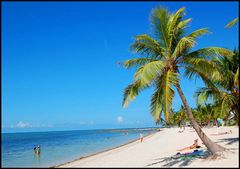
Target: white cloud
point(91, 122)
point(23, 125)
point(120, 119)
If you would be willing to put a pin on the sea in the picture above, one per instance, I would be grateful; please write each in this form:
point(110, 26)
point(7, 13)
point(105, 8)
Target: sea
point(58, 147)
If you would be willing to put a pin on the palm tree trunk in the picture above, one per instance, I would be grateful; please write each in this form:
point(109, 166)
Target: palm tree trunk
point(211, 146)
point(217, 124)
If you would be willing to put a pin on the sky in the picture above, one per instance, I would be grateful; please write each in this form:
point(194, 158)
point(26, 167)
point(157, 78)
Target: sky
point(59, 61)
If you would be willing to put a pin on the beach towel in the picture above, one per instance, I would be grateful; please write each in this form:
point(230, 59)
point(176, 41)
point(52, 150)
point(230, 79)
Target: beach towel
point(193, 154)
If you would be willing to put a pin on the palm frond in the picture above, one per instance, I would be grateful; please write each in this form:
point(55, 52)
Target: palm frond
point(198, 33)
point(203, 94)
point(131, 91)
point(136, 62)
point(144, 44)
point(227, 101)
point(173, 22)
point(159, 19)
point(162, 98)
point(171, 79)
point(182, 24)
point(190, 72)
point(149, 72)
point(142, 79)
point(187, 42)
point(183, 44)
point(236, 79)
point(208, 67)
point(156, 104)
point(210, 52)
point(232, 23)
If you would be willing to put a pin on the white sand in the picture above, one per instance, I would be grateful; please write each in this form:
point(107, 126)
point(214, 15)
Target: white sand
point(156, 151)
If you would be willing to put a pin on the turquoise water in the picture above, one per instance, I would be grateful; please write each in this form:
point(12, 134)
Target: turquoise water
point(58, 147)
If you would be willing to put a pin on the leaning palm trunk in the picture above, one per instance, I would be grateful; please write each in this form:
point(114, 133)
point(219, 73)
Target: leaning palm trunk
point(211, 146)
point(159, 62)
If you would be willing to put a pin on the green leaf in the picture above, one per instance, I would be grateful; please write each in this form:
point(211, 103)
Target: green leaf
point(159, 19)
point(145, 45)
point(198, 33)
point(136, 62)
point(182, 24)
point(163, 95)
point(232, 23)
point(130, 93)
point(187, 42)
point(170, 79)
point(210, 52)
point(236, 79)
point(149, 71)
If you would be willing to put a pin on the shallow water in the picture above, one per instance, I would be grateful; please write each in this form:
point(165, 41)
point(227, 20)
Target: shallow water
point(58, 147)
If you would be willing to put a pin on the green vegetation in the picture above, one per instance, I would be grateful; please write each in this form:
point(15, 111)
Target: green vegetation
point(206, 115)
point(162, 56)
point(224, 92)
point(232, 23)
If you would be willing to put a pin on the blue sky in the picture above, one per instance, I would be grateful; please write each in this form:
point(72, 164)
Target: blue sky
point(59, 61)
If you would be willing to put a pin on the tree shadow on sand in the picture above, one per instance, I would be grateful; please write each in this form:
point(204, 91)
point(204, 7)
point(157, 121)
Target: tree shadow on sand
point(173, 160)
point(229, 140)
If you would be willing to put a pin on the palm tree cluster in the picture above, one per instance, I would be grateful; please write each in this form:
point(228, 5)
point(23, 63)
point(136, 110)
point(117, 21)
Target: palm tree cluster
point(206, 115)
point(179, 117)
point(164, 56)
point(224, 92)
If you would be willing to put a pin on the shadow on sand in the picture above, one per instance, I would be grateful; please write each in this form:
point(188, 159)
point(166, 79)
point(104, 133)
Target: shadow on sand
point(229, 140)
point(173, 160)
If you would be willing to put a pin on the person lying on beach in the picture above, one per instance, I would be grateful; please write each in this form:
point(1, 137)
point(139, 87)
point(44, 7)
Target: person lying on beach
point(222, 133)
point(195, 145)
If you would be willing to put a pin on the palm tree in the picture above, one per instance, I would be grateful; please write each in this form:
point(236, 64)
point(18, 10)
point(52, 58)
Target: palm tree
point(162, 57)
point(224, 92)
point(180, 117)
point(205, 114)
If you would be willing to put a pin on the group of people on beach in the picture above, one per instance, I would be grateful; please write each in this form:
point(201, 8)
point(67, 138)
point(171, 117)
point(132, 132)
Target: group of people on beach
point(37, 150)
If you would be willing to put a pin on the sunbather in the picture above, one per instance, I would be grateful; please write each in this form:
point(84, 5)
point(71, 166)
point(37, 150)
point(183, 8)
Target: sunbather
point(222, 133)
point(195, 145)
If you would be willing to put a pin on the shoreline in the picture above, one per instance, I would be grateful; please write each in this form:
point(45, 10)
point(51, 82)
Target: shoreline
point(158, 149)
point(103, 151)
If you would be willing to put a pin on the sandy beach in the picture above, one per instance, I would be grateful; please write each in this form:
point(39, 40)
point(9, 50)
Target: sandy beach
point(159, 150)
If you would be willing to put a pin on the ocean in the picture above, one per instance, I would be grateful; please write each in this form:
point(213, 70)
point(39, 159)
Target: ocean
point(58, 147)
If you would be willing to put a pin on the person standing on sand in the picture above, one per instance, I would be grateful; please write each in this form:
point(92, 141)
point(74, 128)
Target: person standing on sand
point(141, 137)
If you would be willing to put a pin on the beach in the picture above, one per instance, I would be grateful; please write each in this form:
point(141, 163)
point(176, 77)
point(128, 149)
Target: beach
point(159, 150)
